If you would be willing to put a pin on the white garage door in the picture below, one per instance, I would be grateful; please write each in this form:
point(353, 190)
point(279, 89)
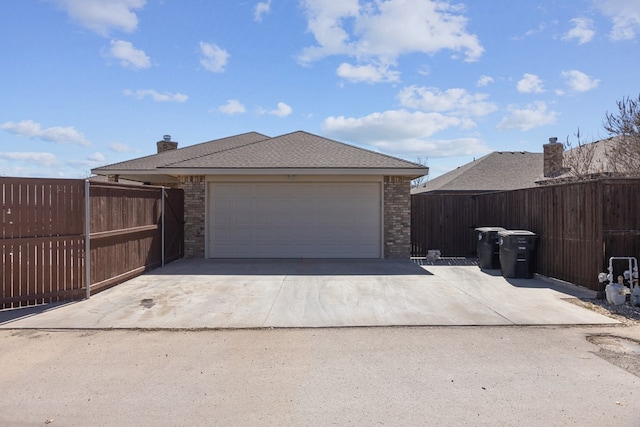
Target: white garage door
point(301, 220)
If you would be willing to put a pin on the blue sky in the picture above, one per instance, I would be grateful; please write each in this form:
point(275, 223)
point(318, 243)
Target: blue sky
point(91, 82)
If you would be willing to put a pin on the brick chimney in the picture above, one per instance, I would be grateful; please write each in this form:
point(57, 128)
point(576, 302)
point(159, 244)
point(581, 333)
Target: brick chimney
point(166, 144)
point(553, 155)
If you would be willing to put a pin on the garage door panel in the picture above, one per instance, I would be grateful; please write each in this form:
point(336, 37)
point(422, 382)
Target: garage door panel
point(310, 220)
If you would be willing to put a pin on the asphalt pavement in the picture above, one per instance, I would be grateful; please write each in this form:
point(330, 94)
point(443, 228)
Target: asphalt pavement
point(438, 376)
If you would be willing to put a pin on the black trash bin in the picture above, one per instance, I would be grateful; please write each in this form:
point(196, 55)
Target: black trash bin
point(488, 247)
point(517, 253)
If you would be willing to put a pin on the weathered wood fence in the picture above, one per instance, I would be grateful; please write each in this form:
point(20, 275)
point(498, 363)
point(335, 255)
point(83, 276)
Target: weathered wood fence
point(580, 224)
point(45, 221)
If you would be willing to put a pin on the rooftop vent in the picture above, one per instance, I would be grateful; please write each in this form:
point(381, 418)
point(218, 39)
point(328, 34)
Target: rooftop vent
point(166, 138)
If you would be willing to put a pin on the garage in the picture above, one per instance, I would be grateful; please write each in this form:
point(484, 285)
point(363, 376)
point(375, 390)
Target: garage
point(294, 220)
point(296, 195)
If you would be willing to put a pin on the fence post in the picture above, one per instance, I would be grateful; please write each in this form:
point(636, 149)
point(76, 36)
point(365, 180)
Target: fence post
point(163, 229)
point(87, 240)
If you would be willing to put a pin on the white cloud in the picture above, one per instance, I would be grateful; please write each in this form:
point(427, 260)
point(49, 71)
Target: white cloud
point(214, 58)
point(97, 157)
point(261, 9)
point(625, 16)
point(282, 110)
point(367, 73)
point(156, 96)
point(39, 159)
point(530, 83)
point(484, 81)
point(579, 81)
point(403, 134)
point(455, 100)
point(582, 30)
point(324, 20)
point(432, 148)
point(129, 56)
point(424, 70)
point(91, 161)
point(60, 135)
point(537, 30)
point(380, 32)
point(532, 116)
point(233, 106)
point(119, 147)
point(103, 16)
point(390, 124)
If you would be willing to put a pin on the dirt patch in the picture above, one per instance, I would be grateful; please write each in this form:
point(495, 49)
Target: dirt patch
point(27, 333)
point(622, 352)
point(619, 351)
point(147, 302)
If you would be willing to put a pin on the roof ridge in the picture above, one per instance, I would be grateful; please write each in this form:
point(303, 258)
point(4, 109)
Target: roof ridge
point(266, 138)
point(356, 147)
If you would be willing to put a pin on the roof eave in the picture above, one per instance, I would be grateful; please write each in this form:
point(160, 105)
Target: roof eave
point(411, 172)
point(168, 171)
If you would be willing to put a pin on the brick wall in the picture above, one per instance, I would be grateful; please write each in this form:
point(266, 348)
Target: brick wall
point(194, 215)
point(397, 217)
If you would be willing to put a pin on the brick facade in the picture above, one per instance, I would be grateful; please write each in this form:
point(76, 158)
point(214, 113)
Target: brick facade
point(396, 211)
point(195, 190)
point(397, 217)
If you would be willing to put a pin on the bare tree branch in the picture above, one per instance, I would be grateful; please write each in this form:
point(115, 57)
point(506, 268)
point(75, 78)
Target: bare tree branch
point(579, 160)
point(624, 125)
point(424, 161)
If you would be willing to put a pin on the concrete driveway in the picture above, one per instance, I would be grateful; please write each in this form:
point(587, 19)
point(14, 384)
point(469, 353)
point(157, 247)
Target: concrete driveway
point(195, 294)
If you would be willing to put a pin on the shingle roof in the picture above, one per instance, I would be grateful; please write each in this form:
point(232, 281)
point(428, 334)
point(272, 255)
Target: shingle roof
point(297, 150)
point(190, 152)
point(497, 171)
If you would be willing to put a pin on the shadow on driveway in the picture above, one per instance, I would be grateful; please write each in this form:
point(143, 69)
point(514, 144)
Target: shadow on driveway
point(13, 314)
point(292, 267)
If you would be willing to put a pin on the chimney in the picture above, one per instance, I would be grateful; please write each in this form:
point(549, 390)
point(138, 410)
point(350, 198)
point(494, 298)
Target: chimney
point(553, 155)
point(166, 144)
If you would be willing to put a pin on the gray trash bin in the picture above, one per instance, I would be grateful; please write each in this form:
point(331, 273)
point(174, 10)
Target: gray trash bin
point(488, 247)
point(517, 253)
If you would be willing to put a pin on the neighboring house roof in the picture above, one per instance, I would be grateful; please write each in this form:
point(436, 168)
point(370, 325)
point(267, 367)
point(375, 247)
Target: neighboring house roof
point(104, 178)
point(497, 171)
point(593, 159)
point(252, 153)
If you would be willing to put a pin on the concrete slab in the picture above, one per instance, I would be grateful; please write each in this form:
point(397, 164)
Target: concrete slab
point(194, 294)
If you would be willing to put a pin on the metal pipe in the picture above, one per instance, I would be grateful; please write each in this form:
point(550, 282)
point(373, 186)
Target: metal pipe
point(87, 240)
point(163, 229)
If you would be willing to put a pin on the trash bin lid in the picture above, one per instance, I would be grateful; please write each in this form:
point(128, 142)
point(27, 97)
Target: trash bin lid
point(506, 233)
point(486, 229)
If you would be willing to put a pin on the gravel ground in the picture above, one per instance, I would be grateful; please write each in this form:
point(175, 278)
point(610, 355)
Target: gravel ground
point(625, 313)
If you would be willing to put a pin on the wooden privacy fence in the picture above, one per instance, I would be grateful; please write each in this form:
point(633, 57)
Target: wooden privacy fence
point(45, 222)
point(580, 224)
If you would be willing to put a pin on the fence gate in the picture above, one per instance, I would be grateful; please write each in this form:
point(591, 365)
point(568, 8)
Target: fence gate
point(132, 229)
point(42, 240)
